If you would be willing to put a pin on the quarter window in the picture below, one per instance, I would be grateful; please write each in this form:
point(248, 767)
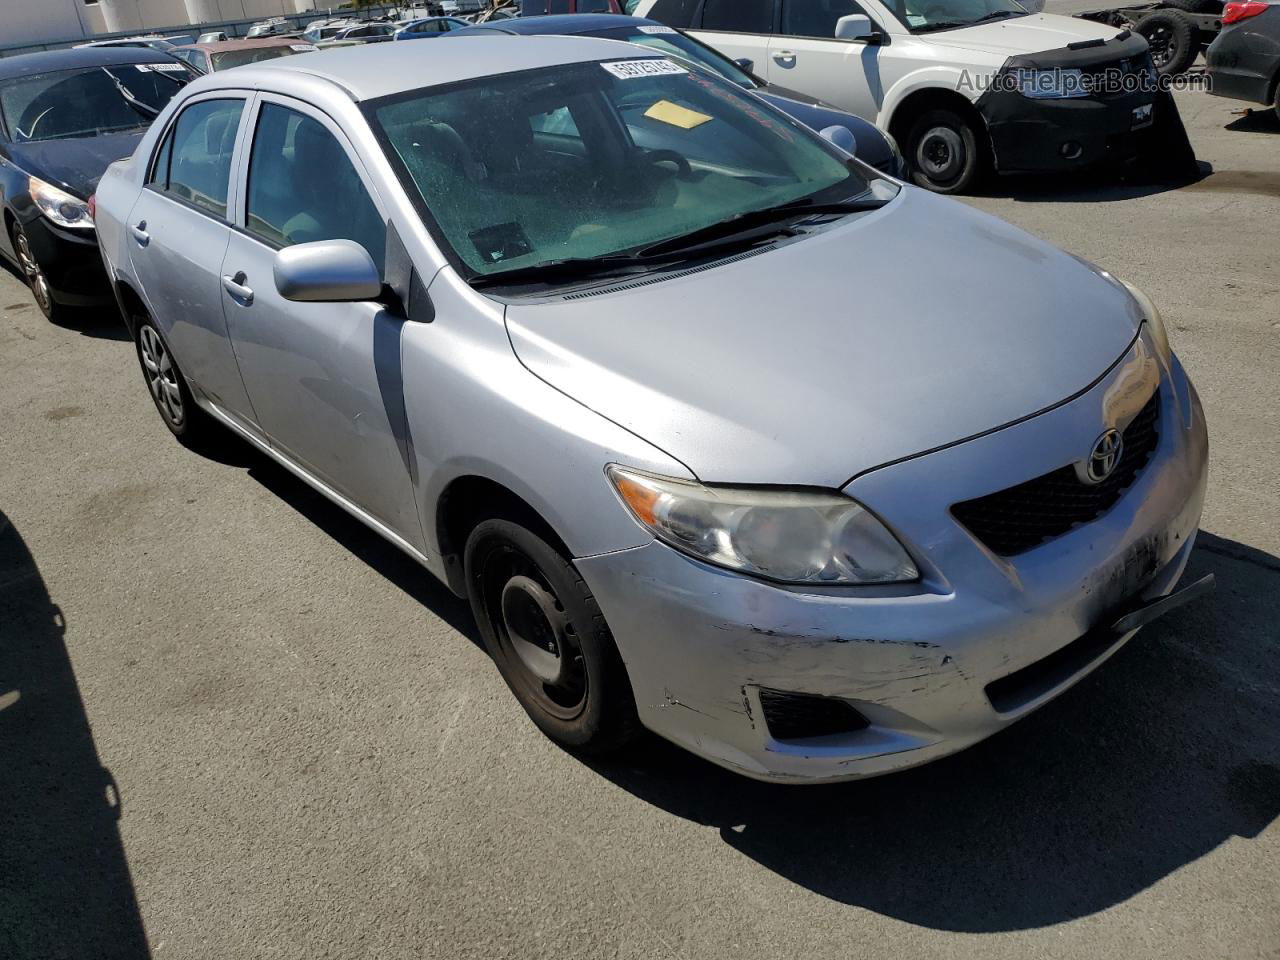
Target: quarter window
point(194, 163)
point(303, 187)
point(739, 16)
point(805, 18)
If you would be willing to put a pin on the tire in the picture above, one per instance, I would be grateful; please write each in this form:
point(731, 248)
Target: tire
point(548, 638)
point(945, 153)
point(1196, 6)
point(1172, 40)
point(33, 273)
point(168, 387)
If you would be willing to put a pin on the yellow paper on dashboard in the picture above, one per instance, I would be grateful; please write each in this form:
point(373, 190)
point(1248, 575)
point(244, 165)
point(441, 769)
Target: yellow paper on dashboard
point(665, 111)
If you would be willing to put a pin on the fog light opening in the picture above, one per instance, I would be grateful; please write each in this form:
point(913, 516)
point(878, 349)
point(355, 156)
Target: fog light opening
point(1071, 150)
point(803, 716)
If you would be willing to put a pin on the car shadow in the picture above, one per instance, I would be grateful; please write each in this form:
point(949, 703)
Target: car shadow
point(65, 889)
point(103, 323)
point(1169, 750)
point(1088, 187)
point(1256, 120)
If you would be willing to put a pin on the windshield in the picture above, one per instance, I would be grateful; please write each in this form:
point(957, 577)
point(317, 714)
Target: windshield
point(671, 42)
point(89, 101)
point(240, 58)
point(924, 16)
point(584, 161)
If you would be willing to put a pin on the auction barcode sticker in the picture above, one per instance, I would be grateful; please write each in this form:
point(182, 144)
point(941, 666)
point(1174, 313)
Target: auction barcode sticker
point(632, 69)
point(655, 29)
point(161, 67)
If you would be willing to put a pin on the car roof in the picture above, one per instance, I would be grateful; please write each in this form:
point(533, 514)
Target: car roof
point(370, 71)
point(565, 23)
point(241, 43)
point(48, 61)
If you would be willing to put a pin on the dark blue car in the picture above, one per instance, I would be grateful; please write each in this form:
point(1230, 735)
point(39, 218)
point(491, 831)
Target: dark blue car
point(65, 115)
point(874, 146)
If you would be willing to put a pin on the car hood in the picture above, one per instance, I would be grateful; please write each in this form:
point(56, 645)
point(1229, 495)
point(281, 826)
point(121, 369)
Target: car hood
point(74, 165)
point(883, 336)
point(1023, 35)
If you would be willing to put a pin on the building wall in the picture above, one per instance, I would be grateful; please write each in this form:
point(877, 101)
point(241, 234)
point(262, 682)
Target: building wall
point(149, 14)
point(36, 21)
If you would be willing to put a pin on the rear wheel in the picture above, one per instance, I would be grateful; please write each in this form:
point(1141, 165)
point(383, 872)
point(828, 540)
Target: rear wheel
point(944, 152)
point(1172, 40)
point(168, 387)
point(34, 274)
point(549, 640)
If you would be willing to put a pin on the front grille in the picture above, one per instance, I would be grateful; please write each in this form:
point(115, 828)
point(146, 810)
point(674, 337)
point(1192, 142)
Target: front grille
point(1014, 520)
point(1120, 78)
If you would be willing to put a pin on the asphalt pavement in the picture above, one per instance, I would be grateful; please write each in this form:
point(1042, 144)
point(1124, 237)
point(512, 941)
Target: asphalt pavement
point(234, 723)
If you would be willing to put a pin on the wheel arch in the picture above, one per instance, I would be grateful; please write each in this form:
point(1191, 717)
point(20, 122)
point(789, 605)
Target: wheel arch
point(917, 102)
point(131, 304)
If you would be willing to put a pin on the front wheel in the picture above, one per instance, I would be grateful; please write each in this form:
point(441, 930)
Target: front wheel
point(548, 638)
point(34, 274)
point(944, 152)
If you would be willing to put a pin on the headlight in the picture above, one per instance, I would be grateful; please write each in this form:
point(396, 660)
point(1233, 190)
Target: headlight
point(1159, 334)
point(813, 538)
point(1056, 84)
point(59, 206)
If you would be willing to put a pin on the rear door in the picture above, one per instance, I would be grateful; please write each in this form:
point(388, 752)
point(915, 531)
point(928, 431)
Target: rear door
point(740, 29)
point(325, 378)
point(177, 234)
point(805, 56)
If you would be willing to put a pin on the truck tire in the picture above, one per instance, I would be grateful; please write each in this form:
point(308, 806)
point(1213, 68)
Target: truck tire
point(1172, 38)
point(945, 152)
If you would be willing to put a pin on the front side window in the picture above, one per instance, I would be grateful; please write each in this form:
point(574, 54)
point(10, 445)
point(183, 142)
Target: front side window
point(303, 187)
point(805, 18)
point(194, 163)
point(588, 160)
point(738, 16)
point(89, 102)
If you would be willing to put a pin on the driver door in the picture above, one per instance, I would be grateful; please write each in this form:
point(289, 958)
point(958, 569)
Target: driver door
point(806, 57)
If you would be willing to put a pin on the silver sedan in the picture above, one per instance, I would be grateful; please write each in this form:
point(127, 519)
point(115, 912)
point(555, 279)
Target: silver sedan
point(738, 440)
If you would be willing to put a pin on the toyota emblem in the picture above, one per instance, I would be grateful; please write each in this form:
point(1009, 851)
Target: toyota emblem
point(1104, 457)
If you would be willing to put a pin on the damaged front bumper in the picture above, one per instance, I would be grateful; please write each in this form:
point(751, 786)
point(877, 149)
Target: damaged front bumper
point(928, 666)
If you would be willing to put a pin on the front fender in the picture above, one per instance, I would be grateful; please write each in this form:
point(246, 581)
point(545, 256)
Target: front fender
point(969, 82)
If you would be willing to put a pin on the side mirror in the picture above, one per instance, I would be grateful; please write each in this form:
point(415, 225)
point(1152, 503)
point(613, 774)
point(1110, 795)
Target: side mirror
point(841, 137)
point(328, 271)
point(747, 64)
point(855, 26)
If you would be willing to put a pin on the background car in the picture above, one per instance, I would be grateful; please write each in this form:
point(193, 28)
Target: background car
point(376, 31)
point(539, 8)
point(225, 54)
point(274, 27)
point(152, 42)
point(1244, 61)
point(326, 28)
point(872, 145)
point(428, 27)
point(67, 115)
point(214, 36)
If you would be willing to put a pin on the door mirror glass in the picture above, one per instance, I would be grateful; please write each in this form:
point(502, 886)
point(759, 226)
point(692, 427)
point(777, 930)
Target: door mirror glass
point(841, 137)
point(747, 64)
point(327, 271)
point(855, 26)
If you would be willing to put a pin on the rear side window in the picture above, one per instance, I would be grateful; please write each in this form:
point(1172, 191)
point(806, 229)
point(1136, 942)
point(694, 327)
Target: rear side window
point(804, 18)
point(738, 16)
point(194, 162)
point(674, 13)
point(303, 187)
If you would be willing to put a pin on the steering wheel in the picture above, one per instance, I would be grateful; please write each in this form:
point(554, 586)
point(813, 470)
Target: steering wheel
point(684, 170)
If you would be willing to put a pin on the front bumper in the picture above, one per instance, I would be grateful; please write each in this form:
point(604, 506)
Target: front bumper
point(71, 263)
point(915, 660)
point(1040, 136)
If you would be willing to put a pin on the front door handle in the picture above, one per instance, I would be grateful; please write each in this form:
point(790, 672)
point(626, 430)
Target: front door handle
point(786, 58)
point(140, 233)
point(239, 292)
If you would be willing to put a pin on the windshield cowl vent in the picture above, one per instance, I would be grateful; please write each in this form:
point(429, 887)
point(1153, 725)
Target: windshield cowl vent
point(662, 277)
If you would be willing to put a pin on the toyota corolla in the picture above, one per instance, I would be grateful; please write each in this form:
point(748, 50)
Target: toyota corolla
point(738, 440)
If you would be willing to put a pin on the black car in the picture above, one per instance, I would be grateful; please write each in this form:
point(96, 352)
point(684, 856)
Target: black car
point(1244, 61)
point(873, 145)
point(65, 115)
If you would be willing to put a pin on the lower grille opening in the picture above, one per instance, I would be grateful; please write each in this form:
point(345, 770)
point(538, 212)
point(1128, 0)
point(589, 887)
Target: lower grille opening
point(1036, 679)
point(801, 716)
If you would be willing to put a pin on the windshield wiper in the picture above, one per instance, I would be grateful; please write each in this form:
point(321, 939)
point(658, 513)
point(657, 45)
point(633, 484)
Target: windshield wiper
point(754, 225)
point(999, 15)
point(130, 97)
point(562, 271)
point(954, 24)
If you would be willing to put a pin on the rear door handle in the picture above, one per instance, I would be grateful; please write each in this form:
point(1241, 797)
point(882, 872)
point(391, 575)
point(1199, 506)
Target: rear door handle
point(140, 233)
point(784, 57)
point(239, 292)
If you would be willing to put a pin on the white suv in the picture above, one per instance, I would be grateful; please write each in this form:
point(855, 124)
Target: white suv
point(961, 84)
